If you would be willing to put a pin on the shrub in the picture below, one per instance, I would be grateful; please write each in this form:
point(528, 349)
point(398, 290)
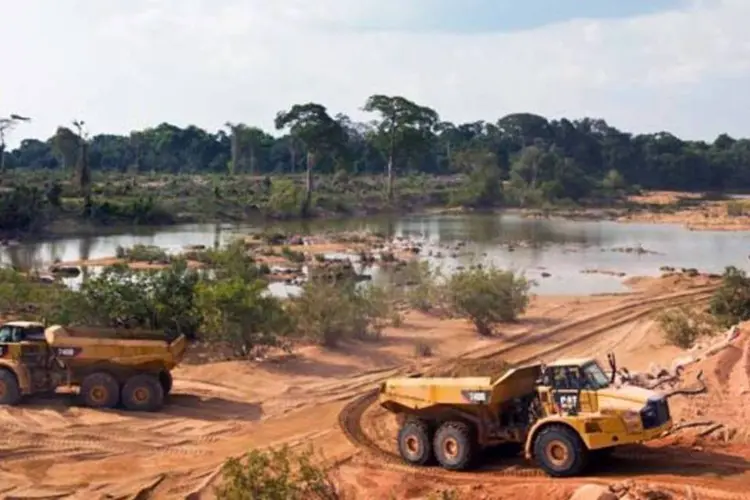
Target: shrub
point(286, 199)
point(120, 296)
point(276, 475)
point(329, 312)
point(682, 327)
point(242, 315)
point(143, 253)
point(730, 304)
point(735, 209)
point(487, 296)
point(292, 256)
point(424, 291)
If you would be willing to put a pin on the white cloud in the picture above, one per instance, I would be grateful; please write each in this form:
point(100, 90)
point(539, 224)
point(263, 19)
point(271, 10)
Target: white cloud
point(128, 64)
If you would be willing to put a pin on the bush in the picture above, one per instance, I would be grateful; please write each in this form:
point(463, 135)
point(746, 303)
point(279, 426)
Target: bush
point(156, 300)
point(286, 199)
point(735, 209)
point(730, 304)
point(682, 327)
point(424, 291)
point(292, 256)
point(26, 298)
point(242, 315)
point(143, 253)
point(487, 296)
point(276, 475)
point(329, 312)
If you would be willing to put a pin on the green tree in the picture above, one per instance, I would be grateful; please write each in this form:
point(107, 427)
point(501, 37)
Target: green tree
point(83, 170)
point(321, 135)
point(6, 125)
point(403, 126)
point(484, 187)
point(242, 315)
point(487, 296)
point(67, 147)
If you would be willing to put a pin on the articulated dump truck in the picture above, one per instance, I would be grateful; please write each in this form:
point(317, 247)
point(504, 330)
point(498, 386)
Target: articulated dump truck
point(110, 367)
point(561, 414)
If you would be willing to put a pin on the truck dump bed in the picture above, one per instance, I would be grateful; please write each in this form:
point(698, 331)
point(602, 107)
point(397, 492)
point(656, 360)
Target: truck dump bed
point(120, 346)
point(420, 393)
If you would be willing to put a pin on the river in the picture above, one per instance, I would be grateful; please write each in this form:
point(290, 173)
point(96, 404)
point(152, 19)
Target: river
point(561, 248)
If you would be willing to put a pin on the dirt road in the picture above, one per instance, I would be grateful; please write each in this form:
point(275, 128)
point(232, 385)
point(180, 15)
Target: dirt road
point(52, 448)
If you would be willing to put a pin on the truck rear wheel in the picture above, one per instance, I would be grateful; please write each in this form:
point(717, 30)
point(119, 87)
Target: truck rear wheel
point(560, 452)
point(100, 390)
point(143, 393)
point(454, 445)
point(10, 392)
point(414, 442)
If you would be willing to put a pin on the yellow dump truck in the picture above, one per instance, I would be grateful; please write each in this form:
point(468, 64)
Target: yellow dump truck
point(110, 367)
point(560, 413)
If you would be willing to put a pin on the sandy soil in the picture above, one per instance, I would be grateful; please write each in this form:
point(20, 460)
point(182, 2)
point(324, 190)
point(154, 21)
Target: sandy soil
point(705, 215)
point(53, 448)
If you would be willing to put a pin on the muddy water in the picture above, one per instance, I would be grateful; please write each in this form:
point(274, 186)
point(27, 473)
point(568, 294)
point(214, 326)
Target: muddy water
point(560, 248)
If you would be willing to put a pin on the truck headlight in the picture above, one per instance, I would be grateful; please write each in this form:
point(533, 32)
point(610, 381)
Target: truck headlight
point(632, 421)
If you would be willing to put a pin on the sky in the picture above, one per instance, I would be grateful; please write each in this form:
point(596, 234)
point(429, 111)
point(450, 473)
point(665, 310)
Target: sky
point(643, 65)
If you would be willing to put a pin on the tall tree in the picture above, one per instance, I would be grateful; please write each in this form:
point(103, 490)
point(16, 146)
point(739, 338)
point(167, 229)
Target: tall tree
point(234, 162)
point(403, 126)
point(83, 170)
point(66, 147)
point(6, 125)
point(320, 134)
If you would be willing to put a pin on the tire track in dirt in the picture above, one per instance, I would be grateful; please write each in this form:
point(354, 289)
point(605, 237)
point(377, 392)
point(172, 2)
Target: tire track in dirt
point(350, 418)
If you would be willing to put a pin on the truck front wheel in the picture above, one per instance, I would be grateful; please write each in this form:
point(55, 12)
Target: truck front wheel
point(560, 452)
point(10, 392)
point(143, 393)
point(414, 442)
point(455, 446)
point(100, 390)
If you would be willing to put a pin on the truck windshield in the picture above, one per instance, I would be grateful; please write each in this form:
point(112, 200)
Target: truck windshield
point(594, 376)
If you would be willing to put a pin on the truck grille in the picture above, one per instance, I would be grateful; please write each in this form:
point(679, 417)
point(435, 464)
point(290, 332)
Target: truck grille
point(655, 413)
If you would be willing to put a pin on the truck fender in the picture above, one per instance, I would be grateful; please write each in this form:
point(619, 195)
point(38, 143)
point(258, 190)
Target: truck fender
point(541, 424)
point(21, 373)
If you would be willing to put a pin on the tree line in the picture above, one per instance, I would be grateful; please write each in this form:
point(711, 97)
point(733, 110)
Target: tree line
point(522, 159)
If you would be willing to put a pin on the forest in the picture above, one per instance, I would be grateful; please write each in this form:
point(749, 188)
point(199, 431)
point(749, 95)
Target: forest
point(521, 159)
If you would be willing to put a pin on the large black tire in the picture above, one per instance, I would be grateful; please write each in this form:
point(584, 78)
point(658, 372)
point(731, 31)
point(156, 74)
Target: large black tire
point(100, 390)
point(560, 452)
point(143, 393)
point(165, 379)
point(414, 442)
point(10, 392)
point(454, 446)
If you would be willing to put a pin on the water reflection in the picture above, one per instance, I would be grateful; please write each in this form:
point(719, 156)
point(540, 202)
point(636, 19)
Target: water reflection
point(560, 247)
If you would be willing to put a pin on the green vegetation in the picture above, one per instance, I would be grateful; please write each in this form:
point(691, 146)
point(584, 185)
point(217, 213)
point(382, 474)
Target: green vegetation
point(487, 296)
point(325, 163)
point(331, 311)
point(143, 253)
point(729, 305)
point(683, 326)
point(276, 475)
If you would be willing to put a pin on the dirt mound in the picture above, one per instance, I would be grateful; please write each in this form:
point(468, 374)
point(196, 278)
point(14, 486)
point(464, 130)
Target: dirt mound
point(493, 368)
point(725, 406)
